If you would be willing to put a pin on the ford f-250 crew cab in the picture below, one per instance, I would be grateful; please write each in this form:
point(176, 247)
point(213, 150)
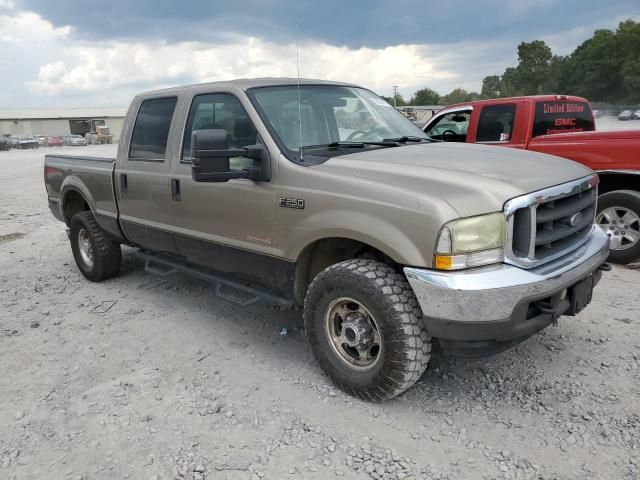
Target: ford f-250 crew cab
point(323, 195)
point(564, 126)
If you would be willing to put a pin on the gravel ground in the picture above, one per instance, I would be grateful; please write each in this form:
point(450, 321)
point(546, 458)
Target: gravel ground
point(146, 377)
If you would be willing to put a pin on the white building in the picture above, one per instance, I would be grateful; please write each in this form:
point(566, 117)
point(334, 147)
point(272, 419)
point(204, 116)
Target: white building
point(59, 121)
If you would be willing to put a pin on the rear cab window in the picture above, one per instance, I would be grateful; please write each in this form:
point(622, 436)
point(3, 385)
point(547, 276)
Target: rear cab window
point(151, 130)
point(562, 116)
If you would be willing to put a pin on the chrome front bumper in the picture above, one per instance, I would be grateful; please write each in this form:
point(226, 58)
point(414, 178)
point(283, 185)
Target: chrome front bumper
point(493, 294)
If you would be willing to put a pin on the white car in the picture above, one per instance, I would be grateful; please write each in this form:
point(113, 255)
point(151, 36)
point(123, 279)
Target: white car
point(75, 140)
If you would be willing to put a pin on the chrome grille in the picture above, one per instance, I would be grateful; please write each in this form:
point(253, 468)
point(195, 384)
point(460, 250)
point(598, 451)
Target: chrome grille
point(550, 223)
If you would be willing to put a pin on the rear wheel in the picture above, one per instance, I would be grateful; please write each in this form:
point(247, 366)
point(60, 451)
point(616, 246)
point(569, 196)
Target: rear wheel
point(619, 217)
point(364, 326)
point(97, 256)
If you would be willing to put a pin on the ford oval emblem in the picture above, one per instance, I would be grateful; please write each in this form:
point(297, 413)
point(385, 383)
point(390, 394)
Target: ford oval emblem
point(575, 219)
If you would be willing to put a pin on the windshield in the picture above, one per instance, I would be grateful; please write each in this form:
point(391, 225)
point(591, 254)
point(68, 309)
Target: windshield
point(326, 114)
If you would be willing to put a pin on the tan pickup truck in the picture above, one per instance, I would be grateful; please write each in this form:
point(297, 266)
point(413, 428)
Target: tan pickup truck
point(321, 194)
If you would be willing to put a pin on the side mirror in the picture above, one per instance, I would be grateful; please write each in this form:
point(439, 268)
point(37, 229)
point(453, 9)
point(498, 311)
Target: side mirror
point(210, 155)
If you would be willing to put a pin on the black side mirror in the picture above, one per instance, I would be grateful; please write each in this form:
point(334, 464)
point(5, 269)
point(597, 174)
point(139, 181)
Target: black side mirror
point(210, 155)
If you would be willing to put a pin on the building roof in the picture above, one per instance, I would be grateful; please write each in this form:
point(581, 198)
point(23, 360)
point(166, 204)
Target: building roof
point(61, 113)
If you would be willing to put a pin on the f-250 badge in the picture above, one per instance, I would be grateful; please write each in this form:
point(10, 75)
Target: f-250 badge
point(292, 203)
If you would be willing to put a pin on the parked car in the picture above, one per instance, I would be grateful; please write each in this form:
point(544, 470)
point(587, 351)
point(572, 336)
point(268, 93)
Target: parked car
point(41, 139)
point(390, 241)
point(75, 140)
point(27, 142)
point(13, 141)
point(5, 144)
point(54, 141)
point(562, 126)
point(625, 115)
point(636, 115)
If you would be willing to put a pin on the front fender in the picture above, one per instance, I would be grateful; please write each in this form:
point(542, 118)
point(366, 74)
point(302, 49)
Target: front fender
point(378, 233)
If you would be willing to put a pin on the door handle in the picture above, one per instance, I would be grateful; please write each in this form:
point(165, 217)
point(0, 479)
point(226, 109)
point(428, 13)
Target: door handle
point(124, 186)
point(175, 189)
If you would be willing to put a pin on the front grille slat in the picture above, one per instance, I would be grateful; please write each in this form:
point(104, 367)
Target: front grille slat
point(565, 209)
point(549, 223)
point(559, 230)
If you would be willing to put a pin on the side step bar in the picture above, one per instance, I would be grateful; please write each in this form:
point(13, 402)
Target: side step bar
point(164, 267)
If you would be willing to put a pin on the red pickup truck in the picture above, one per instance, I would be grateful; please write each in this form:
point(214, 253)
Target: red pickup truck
point(563, 126)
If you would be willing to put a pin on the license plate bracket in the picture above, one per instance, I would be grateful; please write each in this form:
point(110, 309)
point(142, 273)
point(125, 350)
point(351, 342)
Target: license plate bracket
point(580, 295)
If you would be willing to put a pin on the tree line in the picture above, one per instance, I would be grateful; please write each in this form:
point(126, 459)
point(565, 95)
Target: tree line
point(604, 68)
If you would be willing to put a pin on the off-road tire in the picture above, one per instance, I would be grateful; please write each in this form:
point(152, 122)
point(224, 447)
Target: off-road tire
point(406, 345)
point(106, 252)
point(630, 200)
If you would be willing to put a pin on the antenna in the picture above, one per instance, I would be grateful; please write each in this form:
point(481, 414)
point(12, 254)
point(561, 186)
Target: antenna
point(299, 97)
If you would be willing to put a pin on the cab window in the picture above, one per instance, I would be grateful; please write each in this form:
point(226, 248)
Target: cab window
point(450, 127)
point(151, 130)
point(221, 111)
point(496, 123)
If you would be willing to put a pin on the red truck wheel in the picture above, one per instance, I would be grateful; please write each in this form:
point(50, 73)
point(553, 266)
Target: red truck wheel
point(619, 217)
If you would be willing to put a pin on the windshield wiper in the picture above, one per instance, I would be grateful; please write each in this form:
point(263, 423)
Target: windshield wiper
point(345, 144)
point(406, 139)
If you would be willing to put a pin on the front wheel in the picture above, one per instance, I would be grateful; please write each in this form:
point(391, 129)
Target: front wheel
point(364, 326)
point(97, 256)
point(619, 217)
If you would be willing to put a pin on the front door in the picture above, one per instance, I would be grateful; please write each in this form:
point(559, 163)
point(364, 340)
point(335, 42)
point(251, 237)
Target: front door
point(226, 226)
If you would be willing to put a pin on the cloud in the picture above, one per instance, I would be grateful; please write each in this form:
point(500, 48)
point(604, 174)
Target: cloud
point(95, 67)
point(71, 56)
point(374, 24)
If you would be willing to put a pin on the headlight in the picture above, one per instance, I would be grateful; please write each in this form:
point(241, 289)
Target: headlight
point(471, 242)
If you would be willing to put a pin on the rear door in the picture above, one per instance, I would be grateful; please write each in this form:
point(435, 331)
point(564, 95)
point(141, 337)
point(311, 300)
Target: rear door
point(142, 175)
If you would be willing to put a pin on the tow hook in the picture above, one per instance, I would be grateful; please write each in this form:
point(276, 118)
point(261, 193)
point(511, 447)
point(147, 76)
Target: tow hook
point(605, 267)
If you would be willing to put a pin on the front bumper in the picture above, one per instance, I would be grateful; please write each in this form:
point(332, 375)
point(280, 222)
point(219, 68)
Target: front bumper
point(497, 303)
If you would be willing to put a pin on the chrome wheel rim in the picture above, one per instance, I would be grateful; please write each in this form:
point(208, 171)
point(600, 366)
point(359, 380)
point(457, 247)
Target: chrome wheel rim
point(85, 248)
point(353, 334)
point(621, 225)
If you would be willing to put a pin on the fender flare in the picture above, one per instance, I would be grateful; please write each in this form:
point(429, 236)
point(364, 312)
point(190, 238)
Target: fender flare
point(74, 184)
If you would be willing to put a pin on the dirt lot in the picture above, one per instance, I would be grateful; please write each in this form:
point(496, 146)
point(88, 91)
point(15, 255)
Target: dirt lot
point(146, 377)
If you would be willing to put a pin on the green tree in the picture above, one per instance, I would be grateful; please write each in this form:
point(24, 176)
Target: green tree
point(490, 86)
point(509, 82)
point(628, 35)
point(425, 96)
point(593, 70)
point(458, 95)
point(534, 59)
point(400, 101)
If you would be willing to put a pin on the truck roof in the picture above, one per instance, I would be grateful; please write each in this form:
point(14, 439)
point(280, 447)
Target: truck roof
point(538, 98)
point(246, 83)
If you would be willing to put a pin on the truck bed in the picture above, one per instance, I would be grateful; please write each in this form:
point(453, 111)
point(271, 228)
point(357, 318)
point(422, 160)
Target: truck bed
point(599, 150)
point(92, 177)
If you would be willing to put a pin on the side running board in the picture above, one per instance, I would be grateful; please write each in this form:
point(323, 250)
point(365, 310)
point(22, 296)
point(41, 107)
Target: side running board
point(164, 267)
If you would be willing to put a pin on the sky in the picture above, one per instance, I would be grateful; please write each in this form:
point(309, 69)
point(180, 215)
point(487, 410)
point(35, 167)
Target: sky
point(72, 53)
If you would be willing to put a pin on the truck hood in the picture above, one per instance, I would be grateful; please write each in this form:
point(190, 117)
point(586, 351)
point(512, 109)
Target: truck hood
point(473, 179)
